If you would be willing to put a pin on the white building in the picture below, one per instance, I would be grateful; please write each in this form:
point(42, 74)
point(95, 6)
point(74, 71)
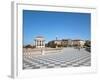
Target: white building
point(39, 42)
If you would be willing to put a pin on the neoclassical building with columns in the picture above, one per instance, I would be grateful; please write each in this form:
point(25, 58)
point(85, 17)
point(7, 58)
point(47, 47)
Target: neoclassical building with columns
point(39, 42)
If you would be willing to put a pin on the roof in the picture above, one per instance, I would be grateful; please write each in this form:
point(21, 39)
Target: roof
point(66, 39)
point(39, 37)
point(77, 40)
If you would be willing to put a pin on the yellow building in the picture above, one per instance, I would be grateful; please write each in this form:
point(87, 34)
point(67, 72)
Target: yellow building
point(78, 42)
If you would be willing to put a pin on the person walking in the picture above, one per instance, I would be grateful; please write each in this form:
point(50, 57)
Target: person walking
point(79, 48)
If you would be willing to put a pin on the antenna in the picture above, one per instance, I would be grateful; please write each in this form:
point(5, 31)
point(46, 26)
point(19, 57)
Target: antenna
point(56, 37)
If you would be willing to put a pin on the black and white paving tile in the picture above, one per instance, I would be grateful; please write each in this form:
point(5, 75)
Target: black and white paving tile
point(68, 57)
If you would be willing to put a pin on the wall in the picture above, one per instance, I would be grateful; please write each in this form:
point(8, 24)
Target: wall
point(5, 40)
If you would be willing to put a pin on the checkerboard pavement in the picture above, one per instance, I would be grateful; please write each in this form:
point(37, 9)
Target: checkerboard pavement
point(68, 57)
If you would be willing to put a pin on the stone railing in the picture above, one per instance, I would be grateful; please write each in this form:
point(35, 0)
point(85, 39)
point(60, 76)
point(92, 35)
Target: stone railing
point(40, 51)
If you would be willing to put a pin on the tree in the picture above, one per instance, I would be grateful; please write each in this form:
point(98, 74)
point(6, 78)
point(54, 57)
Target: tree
point(28, 46)
point(87, 43)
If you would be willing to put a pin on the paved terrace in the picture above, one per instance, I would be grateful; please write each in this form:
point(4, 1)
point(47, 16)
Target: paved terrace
point(67, 57)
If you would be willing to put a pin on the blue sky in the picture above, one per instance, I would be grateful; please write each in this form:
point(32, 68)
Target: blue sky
point(63, 25)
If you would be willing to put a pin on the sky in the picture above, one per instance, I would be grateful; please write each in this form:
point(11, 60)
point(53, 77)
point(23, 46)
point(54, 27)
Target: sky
point(49, 24)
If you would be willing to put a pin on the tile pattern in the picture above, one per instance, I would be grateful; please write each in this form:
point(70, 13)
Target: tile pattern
point(68, 57)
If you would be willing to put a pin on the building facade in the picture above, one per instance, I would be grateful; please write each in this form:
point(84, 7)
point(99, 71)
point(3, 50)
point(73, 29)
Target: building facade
point(78, 42)
point(66, 43)
point(54, 43)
